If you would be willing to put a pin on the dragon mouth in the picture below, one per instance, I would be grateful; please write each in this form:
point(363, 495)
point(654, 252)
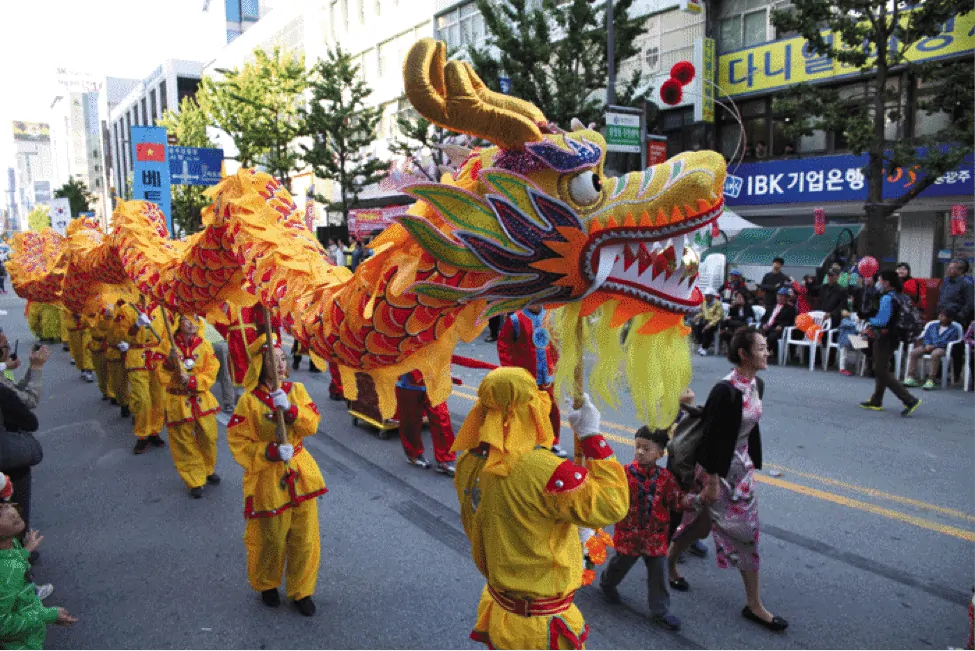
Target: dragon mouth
point(651, 262)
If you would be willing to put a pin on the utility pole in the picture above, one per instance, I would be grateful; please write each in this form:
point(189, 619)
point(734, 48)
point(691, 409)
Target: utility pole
point(610, 56)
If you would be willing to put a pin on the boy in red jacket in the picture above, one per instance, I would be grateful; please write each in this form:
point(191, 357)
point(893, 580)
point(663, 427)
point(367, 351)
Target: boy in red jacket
point(645, 531)
point(525, 341)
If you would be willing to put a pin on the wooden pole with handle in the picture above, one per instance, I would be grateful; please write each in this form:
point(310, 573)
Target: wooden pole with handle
point(151, 329)
point(272, 365)
point(578, 390)
point(169, 331)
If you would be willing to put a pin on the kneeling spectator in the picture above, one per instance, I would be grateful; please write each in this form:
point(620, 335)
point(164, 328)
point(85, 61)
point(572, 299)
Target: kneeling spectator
point(23, 618)
point(933, 341)
point(645, 531)
point(706, 322)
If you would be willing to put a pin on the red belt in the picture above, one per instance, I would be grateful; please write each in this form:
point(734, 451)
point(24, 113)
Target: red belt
point(528, 607)
point(139, 346)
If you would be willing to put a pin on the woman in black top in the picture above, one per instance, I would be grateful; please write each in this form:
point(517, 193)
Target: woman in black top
point(728, 456)
point(739, 312)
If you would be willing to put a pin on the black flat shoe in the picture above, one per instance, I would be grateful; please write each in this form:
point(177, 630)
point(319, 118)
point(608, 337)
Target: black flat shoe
point(778, 624)
point(680, 584)
point(157, 441)
point(213, 479)
point(271, 598)
point(126, 412)
point(305, 606)
point(141, 446)
point(196, 493)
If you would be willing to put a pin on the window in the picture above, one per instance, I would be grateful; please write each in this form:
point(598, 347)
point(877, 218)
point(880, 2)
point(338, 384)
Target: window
point(383, 51)
point(361, 5)
point(152, 104)
point(145, 113)
point(379, 8)
point(681, 132)
point(462, 26)
point(744, 30)
point(651, 59)
point(250, 9)
point(162, 96)
point(233, 11)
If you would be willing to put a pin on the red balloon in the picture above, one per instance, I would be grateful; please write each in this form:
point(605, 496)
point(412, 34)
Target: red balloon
point(868, 266)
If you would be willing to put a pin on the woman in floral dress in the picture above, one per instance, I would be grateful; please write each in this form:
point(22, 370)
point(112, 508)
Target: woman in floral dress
point(729, 454)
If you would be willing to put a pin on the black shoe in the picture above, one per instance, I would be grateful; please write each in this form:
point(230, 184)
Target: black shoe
point(296, 365)
point(871, 406)
point(34, 557)
point(141, 446)
point(778, 624)
point(699, 549)
point(336, 396)
point(157, 440)
point(271, 598)
point(196, 493)
point(611, 594)
point(71, 361)
point(213, 479)
point(125, 411)
point(909, 408)
point(305, 606)
point(66, 348)
point(680, 584)
point(113, 401)
point(314, 369)
point(104, 397)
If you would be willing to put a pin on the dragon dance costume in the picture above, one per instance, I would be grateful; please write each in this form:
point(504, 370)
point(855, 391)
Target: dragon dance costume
point(118, 331)
point(522, 506)
point(281, 533)
point(146, 390)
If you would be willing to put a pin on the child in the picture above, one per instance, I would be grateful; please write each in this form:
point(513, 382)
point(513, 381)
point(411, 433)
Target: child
point(23, 619)
point(848, 327)
point(644, 532)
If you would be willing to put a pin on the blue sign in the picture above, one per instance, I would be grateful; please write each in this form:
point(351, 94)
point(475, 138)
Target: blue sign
point(150, 177)
point(505, 84)
point(90, 213)
point(826, 179)
point(195, 165)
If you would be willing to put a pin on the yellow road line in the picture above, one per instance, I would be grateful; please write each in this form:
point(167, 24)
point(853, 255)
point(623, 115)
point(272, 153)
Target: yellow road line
point(947, 530)
point(875, 493)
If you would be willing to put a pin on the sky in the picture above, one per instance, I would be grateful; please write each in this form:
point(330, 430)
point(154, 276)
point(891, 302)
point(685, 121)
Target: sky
point(116, 38)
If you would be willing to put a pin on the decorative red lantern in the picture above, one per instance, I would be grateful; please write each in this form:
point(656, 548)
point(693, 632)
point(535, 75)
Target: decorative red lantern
point(715, 230)
point(819, 220)
point(959, 216)
point(868, 266)
point(671, 92)
point(683, 72)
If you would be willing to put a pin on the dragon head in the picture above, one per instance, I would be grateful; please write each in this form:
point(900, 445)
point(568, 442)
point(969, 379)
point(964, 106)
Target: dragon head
point(537, 216)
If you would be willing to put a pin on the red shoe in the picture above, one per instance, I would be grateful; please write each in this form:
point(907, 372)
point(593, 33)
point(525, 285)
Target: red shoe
point(845, 372)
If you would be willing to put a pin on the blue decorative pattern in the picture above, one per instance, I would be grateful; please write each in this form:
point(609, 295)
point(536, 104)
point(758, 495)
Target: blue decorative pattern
point(580, 155)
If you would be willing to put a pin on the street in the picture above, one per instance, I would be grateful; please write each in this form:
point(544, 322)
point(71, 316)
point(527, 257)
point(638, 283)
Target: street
point(867, 534)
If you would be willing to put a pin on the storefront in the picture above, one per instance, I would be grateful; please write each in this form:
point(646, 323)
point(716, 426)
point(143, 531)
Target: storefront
point(786, 192)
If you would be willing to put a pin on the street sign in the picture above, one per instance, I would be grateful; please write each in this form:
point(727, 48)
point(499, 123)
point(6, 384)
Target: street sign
point(505, 83)
point(623, 133)
point(60, 212)
point(705, 61)
point(195, 165)
point(172, 139)
point(656, 150)
point(150, 176)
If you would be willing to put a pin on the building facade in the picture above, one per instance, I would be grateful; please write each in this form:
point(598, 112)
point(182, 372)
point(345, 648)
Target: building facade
point(30, 182)
point(143, 105)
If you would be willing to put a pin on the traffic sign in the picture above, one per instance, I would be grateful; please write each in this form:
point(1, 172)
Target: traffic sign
point(195, 165)
point(623, 133)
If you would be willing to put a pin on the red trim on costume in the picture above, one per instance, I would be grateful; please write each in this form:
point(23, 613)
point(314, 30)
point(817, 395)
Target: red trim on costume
point(191, 385)
point(596, 447)
point(265, 396)
point(482, 637)
point(296, 500)
point(566, 478)
point(292, 412)
point(235, 420)
point(558, 628)
point(314, 408)
point(528, 607)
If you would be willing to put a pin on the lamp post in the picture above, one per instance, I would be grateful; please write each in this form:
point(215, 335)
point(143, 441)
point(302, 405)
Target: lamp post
point(610, 55)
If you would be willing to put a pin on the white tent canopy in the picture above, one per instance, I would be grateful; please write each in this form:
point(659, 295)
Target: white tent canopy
point(732, 223)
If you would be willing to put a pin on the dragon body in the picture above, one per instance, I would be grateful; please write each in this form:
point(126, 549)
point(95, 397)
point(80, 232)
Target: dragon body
point(530, 220)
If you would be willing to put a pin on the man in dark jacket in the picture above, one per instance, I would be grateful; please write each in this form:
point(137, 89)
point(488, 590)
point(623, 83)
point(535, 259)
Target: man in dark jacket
point(833, 298)
point(957, 294)
point(776, 320)
point(772, 282)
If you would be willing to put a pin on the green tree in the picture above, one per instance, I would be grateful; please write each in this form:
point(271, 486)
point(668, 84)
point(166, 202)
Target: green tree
point(189, 125)
point(878, 37)
point(38, 218)
point(77, 195)
point(260, 108)
point(342, 127)
point(555, 55)
point(420, 142)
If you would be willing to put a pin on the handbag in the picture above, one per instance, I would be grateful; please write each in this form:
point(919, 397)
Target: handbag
point(19, 450)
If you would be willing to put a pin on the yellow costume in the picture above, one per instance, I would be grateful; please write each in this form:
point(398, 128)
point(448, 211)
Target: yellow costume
point(279, 498)
point(145, 388)
point(118, 381)
point(50, 322)
point(521, 506)
point(191, 410)
point(101, 324)
point(78, 340)
point(66, 320)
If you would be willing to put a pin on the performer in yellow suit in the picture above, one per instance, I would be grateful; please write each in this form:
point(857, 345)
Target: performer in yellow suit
point(188, 372)
point(116, 347)
point(101, 324)
point(66, 320)
point(79, 337)
point(145, 389)
point(44, 320)
point(281, 482)
point(522, 506)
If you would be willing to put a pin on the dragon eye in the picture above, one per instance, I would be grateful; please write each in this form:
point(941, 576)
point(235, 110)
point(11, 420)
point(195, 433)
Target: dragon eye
point(586, 188)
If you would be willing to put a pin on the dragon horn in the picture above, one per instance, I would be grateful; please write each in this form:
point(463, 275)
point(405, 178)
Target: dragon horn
point(450, 94)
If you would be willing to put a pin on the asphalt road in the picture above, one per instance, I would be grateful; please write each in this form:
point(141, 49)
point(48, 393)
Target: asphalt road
point(867, 534)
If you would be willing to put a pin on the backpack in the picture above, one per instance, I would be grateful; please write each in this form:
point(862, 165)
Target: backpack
point(682, 449)
point(907, 322)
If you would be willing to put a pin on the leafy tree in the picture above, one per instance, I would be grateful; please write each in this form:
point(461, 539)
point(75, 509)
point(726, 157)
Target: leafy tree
point(189, 125)
point(38, 219)
point(342, 127)
point(77, 195)
point(260, 108)
point(555, 55)
point(878, 36)
point(419, 141)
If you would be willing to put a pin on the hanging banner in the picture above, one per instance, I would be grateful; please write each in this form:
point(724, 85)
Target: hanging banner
point(366, 221)
point(60, 213)
point(705, 62)
point(150, 176)
point(656, 150)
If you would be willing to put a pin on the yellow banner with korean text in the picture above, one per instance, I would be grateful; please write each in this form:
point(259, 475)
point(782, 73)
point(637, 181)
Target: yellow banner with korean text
point(790, 61)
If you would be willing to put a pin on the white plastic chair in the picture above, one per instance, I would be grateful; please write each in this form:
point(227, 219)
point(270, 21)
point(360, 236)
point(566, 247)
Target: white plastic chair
point(759, 312)
point(832, 339)
point(968, 367)
point(819, 318)
point(926, 359)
